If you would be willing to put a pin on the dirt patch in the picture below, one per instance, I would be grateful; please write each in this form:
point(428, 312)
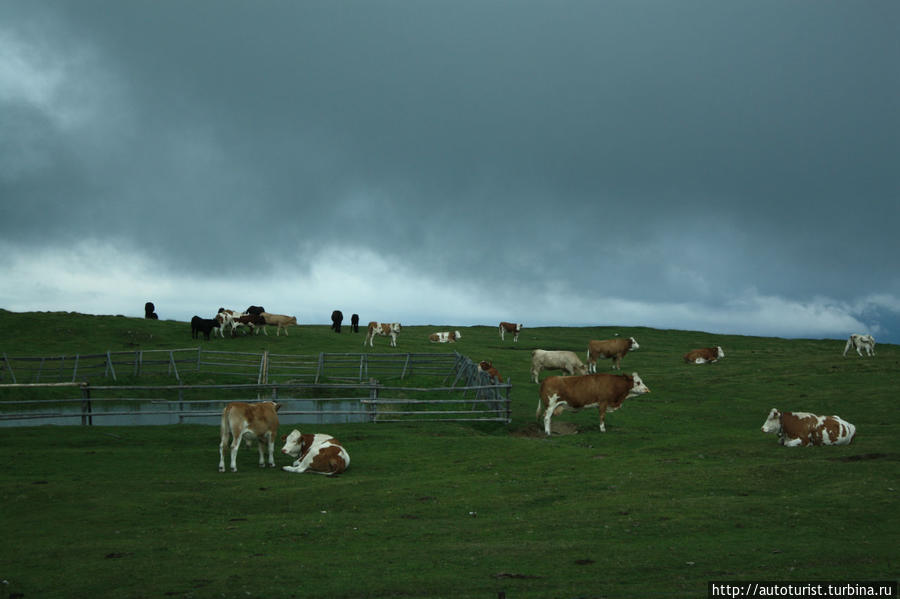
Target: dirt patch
point(537, 432)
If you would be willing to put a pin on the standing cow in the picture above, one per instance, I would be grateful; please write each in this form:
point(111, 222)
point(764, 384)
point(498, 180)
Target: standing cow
point(609, 348)
point(354, 323)
point(542, 359)
point(802, 428)
point(509, 327)
point(252, 421)
point(859, 343)
point(384, 329)
point(605, 391)
point(337, 317)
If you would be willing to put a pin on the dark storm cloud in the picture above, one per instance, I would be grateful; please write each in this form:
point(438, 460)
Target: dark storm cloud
point(656, 151)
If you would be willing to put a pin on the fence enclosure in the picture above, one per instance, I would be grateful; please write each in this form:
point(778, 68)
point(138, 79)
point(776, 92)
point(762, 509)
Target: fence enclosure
point(317, 388)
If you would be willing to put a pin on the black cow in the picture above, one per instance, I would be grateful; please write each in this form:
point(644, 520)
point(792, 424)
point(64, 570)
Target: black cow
point(149, 311)
point(337, 317)
point(354, 323)
point(255, 310)
point(203, 325)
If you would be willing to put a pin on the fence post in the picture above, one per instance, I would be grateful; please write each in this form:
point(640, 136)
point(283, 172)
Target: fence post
point(405, 367)
point(109, 366)
point(373, 397)
point(75, 368)
point(86, 417)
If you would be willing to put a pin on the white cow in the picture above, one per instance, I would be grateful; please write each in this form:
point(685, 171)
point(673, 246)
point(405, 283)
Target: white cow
point(318, 453)
point(542, 359)
point(384, 329)
point(860, 342)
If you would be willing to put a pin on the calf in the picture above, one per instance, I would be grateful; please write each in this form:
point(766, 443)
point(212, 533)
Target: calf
point(279, 321)
point(509, 327)
point(204, 325)
point(488, 367)
point(860, 342)
point(315, 453)
point(605, 391)
point(609, 348)
point(445, 337)
point(803, 428)
point(251, 420)
point(555, 360)
point(384, 329)
point(705, 355)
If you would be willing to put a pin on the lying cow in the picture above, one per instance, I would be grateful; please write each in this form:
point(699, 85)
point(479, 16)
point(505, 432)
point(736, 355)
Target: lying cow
point(445, 337)
point(509, 327)
point(609, 348)
point(251, 421)
point(605, 391)
point(385, 330)
point(315, 453)
point(488, 367)
point(279, 321)
point(859, 343)
point(705, 355)
point(803, 428)
point(542, 359)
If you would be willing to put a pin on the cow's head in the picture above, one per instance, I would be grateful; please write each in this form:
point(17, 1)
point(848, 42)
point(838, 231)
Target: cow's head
point(773, 422)
point(292, 443)
point(638, 387)
point(634, 344)
point(580, 369)
point(458, 335)
point(719, 351)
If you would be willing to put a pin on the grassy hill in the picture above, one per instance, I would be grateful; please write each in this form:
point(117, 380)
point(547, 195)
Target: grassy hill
point(683, 488)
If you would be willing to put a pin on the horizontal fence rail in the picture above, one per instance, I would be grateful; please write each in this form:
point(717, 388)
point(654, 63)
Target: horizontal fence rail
point(461, 391)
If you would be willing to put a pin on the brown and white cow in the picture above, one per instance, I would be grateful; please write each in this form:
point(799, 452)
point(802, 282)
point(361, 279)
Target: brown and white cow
point(385, 330)
point(542, 359)
point(279, 321)
point(255, 321)
point(251, 421)
point(605, 391)
point(318, 453)
point(488, 367)
point(859, 343)
point(705, 355)
point(509, 327)
point(803, 428)
point(609, 348)
point(445, 337)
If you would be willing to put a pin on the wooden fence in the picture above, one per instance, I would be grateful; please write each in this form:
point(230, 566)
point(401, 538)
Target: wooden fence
point(450, 388)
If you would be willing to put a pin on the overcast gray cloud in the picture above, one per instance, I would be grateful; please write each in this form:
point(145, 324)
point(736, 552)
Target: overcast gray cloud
point(722, 166)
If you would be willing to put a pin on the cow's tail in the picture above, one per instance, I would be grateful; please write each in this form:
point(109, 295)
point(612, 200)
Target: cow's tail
point(224, 427)
point(537, 414)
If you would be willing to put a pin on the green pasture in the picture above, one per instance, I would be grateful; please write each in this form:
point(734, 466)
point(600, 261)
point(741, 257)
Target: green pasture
point(682, 489)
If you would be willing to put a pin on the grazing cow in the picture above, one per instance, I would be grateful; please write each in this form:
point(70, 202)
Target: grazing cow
point(149, 311)
point(705, 355)
point(609, 348)
point(228, 319)
point(385, 330)
point(860, 342)
point(318, 453)
point(508, 327)
point(255, 310)
point(354, 323)
point(337, 317)
point(251, 320)
point(605, 391)
point(803, 428)
point(445, 337)
point(280, 321)
point(203, 325)
point(488, 367)
point(555, 360)
point(251, 420)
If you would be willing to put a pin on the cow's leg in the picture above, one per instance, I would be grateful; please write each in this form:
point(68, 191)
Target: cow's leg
point(295, 469)
point(271, 450)
point(602, 411)
point(222, 445)
point(793, 442)
point(552, 404)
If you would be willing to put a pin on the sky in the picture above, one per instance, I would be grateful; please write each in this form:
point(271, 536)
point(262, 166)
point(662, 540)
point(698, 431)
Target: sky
point(719, 166)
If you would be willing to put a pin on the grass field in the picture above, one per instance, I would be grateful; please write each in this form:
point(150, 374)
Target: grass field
point(683, 488)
